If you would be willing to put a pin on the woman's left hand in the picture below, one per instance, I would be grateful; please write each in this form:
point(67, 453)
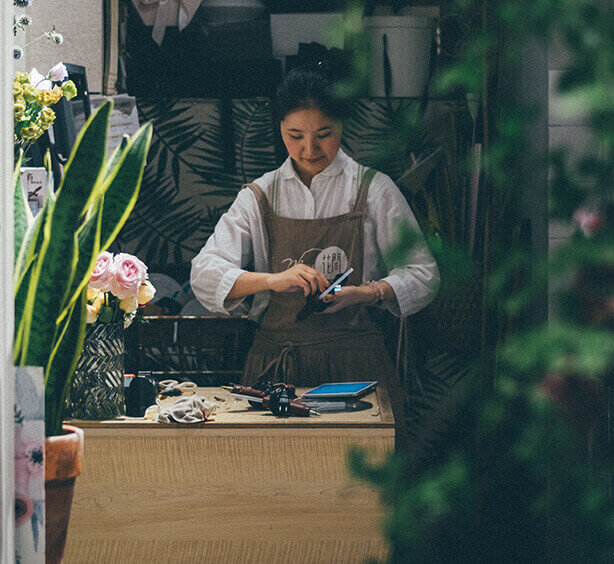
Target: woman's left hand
point(349, 295)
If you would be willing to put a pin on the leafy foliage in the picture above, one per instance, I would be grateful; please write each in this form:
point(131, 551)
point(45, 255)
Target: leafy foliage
point(59, 248)
point(529, 475)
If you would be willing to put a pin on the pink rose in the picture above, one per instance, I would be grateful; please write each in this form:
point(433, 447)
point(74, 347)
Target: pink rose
point(589, 222)
point(128, 275)
point(580, 399)
point(103, 272)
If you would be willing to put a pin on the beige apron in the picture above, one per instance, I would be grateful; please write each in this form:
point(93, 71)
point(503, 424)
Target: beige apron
point(338, 347)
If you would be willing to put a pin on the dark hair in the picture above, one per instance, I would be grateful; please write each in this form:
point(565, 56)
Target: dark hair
point(303, 89)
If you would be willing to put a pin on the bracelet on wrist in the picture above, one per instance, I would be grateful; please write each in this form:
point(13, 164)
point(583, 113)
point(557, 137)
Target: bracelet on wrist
point(378, 291)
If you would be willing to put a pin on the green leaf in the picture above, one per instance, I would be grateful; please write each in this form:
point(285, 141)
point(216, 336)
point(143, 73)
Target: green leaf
point(61, 366)
point(120, 192)
point(116, 155)
point(58, 256)
point(33, 239)
point(88, 245)
point(23, 218)
point(106, 314)
point(21, 292)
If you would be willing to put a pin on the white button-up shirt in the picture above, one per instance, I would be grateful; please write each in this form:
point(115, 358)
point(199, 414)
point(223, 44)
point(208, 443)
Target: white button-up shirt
point(239, 241)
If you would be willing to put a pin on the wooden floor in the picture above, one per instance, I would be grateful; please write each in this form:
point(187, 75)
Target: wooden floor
point(246, 488)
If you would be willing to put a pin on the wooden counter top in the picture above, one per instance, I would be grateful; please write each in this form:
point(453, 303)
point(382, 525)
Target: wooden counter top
point(245, 487)
point(235, 413)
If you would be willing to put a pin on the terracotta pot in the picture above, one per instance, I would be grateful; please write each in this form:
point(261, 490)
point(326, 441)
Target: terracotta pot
point(63, 461)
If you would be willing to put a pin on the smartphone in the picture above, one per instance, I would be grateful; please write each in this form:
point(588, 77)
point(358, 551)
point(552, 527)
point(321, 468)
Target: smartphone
point(314, 303)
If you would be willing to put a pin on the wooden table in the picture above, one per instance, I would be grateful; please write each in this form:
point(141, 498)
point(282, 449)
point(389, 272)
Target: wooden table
point(246, 487)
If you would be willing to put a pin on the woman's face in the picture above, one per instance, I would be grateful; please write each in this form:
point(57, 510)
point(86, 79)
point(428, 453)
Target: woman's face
point(312, 139)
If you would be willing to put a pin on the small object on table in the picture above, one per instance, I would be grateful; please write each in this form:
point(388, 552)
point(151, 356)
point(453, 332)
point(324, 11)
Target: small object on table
point(279, 401)
point(340, 390)
point(141, 393)
point(193, 409)
point(337, 406)
point(245, 392)
point(265, 385)
point(170, 388)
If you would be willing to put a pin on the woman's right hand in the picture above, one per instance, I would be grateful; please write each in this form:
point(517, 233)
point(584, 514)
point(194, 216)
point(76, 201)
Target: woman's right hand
point(299, 278)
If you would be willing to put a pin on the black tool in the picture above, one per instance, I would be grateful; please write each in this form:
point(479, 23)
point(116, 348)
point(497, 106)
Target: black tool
point(282, 399)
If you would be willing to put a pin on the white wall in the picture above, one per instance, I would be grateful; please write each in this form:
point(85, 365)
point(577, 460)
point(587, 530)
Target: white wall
point(81, 24)
point(7, 388)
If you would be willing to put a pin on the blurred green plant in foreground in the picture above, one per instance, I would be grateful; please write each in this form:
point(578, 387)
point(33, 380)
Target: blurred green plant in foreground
point(529, 475)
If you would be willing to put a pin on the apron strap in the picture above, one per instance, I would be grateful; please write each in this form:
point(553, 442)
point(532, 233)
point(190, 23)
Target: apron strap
point(261, 198)
point(363, 190)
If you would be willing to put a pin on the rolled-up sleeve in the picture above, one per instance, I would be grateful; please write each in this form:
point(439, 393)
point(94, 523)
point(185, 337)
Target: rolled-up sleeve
point(416, 283)
point(222, 260)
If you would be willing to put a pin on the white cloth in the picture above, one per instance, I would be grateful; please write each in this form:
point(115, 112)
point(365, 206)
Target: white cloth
point(239, 243)
point(166, 13)
point(190, 409)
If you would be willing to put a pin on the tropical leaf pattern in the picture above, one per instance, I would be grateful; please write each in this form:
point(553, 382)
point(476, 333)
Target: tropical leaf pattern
point(97, 390)
point(188, 183)
point(191, 180)
point(434, 409)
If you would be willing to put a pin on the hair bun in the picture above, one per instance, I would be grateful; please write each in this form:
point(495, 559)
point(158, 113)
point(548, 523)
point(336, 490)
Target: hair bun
point(331, 63)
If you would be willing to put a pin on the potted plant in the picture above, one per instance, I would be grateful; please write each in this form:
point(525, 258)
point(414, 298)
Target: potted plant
point(55, 253)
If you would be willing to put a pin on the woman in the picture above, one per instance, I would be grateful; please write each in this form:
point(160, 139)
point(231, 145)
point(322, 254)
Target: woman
point(299, 227)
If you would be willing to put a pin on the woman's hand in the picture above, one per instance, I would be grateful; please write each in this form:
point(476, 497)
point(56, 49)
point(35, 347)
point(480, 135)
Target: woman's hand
point(349, 295)
point(298, 278)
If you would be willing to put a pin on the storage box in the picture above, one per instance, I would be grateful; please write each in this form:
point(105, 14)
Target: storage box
point(403, 43)
point(288, 30)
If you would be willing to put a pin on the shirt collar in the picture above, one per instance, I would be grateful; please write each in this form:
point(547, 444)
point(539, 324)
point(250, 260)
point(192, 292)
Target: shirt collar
point(336, 167)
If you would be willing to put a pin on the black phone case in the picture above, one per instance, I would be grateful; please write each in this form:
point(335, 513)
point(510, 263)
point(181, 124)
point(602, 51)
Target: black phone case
point(314, 304)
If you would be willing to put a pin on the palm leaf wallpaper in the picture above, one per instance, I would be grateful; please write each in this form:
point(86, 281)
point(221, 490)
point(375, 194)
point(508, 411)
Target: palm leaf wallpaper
point(188, 182)
point(201, 154)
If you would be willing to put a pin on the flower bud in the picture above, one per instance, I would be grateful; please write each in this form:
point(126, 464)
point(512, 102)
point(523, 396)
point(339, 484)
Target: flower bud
point(58, 73)
point(92, 314)
point(129, 304)
point(92, 293)
point(146, 293)
point(98, 302)
point(69, 89)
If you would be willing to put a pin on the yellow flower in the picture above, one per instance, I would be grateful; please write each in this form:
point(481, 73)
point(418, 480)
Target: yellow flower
point(98, 301)
point(30, 93)
point(22, 78)
point(69, 89)
point(47, 116)
point(45, 98)
point(31, 131)
point(17, 89)
point(146, 292)
point(57, 94)
point(129, 304)
point(19, 107)
point(92, 314)
point(92, 293)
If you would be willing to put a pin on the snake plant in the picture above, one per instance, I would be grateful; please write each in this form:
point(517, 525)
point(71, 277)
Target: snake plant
point(55, 252)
